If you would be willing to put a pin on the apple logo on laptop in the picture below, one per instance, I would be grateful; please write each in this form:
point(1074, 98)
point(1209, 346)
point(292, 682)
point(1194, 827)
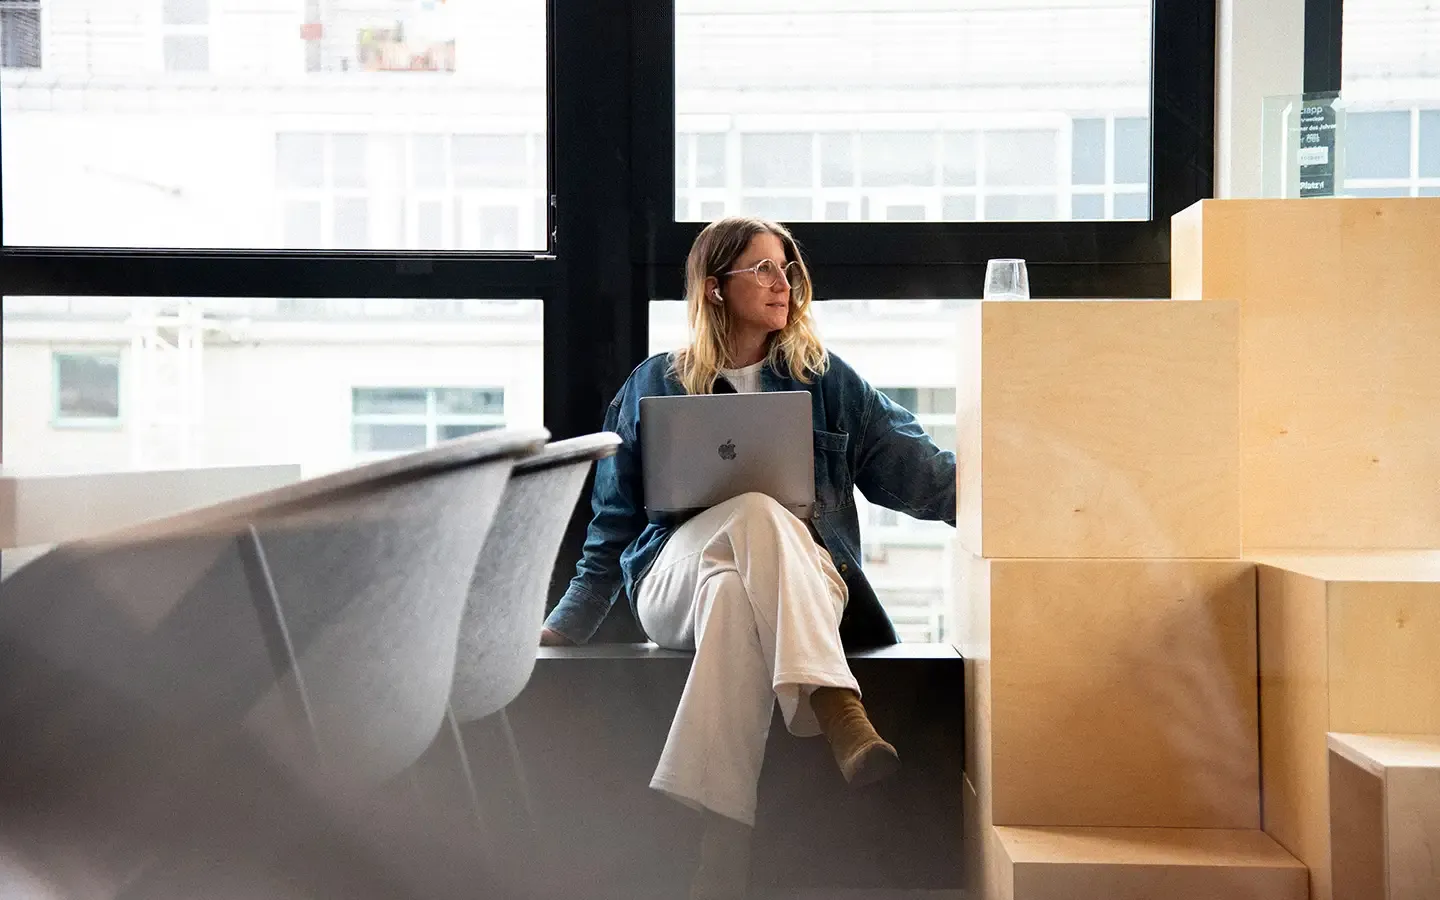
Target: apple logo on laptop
point(727, 451)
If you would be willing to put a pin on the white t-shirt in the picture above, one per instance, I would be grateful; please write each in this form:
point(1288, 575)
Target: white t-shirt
point(746, 380)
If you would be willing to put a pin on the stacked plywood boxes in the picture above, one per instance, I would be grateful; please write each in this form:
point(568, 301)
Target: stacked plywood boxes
point(1196, 538)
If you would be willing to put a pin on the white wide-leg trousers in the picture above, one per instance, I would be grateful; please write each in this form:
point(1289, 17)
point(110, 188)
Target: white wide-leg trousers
point(748, 589)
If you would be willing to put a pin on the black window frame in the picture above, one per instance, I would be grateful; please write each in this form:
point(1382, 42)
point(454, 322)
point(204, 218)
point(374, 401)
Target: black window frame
point(916, 260)
point(1324, 46)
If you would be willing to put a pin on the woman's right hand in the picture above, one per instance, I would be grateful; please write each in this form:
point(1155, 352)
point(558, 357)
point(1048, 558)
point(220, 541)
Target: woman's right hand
point(550, 638)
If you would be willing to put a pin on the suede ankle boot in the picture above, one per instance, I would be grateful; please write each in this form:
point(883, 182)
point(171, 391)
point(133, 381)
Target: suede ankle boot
point(862, 755)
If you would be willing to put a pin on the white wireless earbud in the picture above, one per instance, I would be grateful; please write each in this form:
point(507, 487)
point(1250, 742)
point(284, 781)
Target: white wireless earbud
point(715, 292)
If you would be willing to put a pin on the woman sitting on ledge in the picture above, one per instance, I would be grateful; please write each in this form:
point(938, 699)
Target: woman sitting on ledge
point(767, 602)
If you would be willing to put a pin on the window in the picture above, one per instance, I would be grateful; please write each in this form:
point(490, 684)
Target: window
point(324, 180)
point(1393, 153)
point(933, 407)
point(1110, 168)
point(889, 109)
point(20, 34)
point(1379, 145)
point(470, 191)
point(393, 420)
point(917, 176)
point(315, 382)
point(132, 136)
point(917, 612)
point(1429, 144)
point(186, 37)
point(1390, 89)
point(87, 388)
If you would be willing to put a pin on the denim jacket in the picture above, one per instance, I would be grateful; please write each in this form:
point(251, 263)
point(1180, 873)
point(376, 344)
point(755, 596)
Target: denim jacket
point(862, 440)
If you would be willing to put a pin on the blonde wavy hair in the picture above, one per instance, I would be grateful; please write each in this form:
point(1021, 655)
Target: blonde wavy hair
point(715, 252)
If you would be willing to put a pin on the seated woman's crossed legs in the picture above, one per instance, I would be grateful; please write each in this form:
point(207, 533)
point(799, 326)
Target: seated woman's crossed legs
point(746, 587)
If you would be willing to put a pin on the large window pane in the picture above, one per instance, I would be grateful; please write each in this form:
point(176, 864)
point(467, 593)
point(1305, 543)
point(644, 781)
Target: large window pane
point(109, 383)
point(903, 102)
point(200, 124)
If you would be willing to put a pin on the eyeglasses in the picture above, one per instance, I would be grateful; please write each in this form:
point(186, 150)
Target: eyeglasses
point(768, 272)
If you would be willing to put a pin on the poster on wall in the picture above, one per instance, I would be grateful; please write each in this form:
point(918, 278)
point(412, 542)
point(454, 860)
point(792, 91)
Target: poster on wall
point(1317, 149)
point(421, 40)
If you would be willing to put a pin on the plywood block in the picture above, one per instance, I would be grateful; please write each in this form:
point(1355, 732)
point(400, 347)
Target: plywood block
point(1339, 378)
point(1347, 643)
point(1099, 429)
point(1112, 692)
point(1147, 864)
point(1385, 816)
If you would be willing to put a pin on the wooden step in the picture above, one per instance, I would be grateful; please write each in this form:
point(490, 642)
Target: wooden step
point(1099, 429)
point(1111, 693)
point(1385, 816)
point(1145, 864)
point(1338, 328)
point(1347, 644)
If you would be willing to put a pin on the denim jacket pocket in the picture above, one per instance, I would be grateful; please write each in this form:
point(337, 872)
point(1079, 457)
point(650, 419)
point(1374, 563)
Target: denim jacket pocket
point(833, 486)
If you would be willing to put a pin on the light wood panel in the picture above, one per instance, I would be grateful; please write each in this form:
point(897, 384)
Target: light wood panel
point(1148, 864)
point(1120, 692)
point(969, 346)
point(1100, 429)
point(1357, 832)
point(1377, 566)
point(1339, 377)
point(1339, 655)
point(1385, 816)
point(1294, 717)
point(1412, 821)
point(1384, 667)
point(972, 620)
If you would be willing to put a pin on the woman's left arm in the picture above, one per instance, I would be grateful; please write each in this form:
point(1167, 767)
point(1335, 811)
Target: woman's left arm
point(899, 467)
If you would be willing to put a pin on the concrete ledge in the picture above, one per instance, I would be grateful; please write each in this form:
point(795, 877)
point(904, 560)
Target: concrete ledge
point(592, 722)
point(651, 651)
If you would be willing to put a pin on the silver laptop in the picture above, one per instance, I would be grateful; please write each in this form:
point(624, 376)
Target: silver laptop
point(703, 449)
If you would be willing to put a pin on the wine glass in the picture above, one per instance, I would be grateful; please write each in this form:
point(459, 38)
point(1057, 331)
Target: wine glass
point(1006, 279)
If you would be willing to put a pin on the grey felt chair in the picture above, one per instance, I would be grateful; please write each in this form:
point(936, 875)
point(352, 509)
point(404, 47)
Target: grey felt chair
point(498, 637)
point(506, 604)
point(297, 644)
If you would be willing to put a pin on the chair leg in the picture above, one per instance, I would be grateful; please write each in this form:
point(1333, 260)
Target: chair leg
point(277, 636)
point(517, 771)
